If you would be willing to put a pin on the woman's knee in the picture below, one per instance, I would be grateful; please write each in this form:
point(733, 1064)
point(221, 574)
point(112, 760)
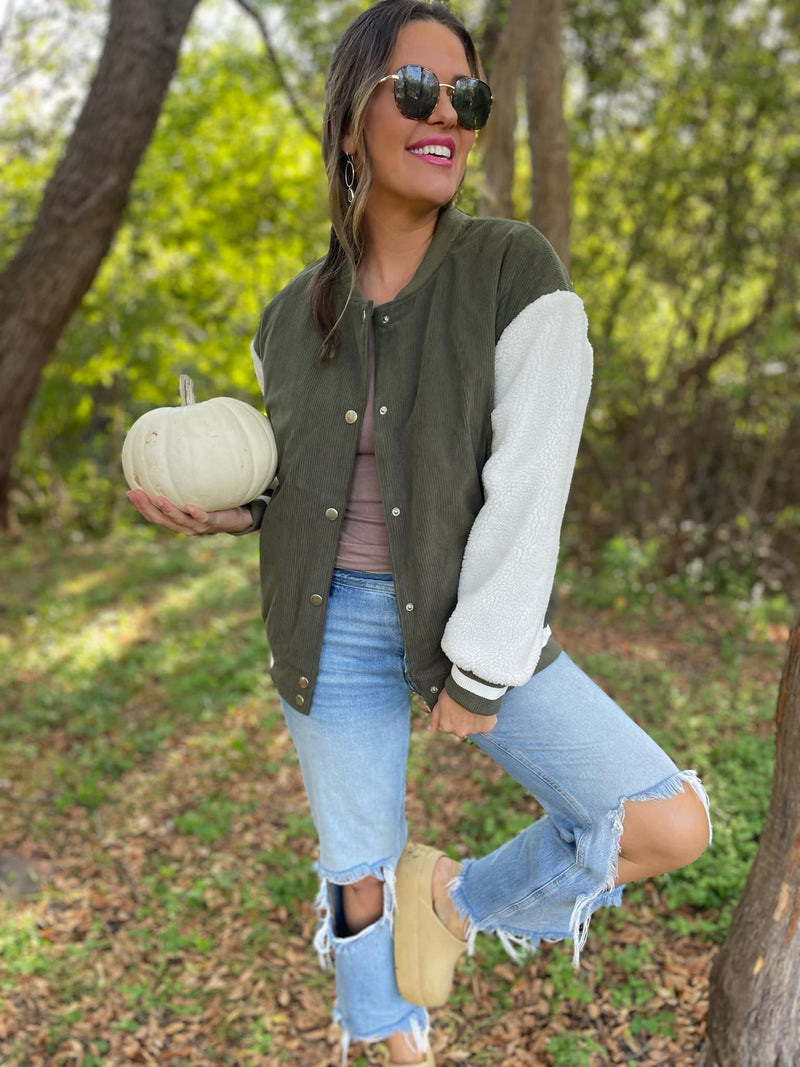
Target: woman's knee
point(666, 834)
point(362, 902)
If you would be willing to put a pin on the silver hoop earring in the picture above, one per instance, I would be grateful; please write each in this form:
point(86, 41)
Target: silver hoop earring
point(350, 179)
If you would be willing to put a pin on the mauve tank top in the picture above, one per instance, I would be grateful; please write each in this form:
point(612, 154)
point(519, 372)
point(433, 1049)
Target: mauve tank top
point(363, 543)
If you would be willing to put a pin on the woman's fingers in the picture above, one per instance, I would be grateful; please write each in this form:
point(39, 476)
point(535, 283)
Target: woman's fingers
point(149, 510)
point(468, 723)
point(451, 718)
point(194, 520)
point(483, 724)
point(161, 512)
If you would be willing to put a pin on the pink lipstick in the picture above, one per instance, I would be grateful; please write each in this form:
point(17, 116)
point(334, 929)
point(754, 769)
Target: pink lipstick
point(436, 150)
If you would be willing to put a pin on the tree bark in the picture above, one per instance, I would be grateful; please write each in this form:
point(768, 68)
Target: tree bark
point(83, 202)
point(754, 1017)
point(547, 129)
point(507, 64)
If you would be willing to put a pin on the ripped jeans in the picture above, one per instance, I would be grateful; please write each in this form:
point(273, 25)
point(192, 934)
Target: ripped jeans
point(559, 735)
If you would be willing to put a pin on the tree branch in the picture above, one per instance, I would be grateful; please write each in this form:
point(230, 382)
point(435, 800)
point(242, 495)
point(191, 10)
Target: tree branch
point(291, 95)
point(701, 368)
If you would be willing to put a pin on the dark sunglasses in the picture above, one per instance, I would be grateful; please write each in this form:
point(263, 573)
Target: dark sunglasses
point(416, 93)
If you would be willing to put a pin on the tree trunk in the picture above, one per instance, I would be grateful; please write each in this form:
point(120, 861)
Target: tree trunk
point(83, 203)
point(754, 1017)
point(547, 129)
point(497, 142)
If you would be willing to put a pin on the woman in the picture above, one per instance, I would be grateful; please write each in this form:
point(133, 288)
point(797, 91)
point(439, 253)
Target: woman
point(427, 383)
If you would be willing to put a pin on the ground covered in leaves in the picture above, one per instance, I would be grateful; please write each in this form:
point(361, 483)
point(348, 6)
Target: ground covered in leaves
point(155, 844)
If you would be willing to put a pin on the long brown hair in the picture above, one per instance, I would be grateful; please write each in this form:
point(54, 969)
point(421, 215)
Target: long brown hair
point(359, 60)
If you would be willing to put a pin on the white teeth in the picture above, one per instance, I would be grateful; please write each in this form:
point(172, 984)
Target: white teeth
point(432, 150)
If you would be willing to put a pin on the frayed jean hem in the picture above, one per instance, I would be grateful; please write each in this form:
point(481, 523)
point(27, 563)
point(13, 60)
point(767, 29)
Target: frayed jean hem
point(368, 1005)
point(414, 1026)
point(522, 940)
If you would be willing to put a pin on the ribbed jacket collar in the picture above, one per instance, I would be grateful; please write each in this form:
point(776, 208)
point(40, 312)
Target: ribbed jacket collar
point(450, 222)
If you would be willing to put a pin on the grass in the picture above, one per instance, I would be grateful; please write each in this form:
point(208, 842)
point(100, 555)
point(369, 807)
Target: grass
point(146, 771)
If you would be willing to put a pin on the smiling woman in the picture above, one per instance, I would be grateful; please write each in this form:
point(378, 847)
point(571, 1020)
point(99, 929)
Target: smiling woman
point(426, 383)
point(417, 163)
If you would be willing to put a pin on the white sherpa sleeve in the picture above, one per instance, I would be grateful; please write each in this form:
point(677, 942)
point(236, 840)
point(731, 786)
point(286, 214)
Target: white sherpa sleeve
point(543, 371)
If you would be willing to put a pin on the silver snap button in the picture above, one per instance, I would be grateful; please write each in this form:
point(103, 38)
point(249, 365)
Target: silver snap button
point(350, 416)
point(332, 514)
point(409, 607)
point(299, 700)
point(395, 512)
point(316, 599)
point(384, 319)
point(382, 409)
point(302, 681)
point(434, 688)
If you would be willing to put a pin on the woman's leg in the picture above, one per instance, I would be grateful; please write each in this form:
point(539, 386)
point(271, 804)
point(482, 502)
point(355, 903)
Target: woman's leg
point(662, 835)
point(352, 750)
point(658, 836)
point(616, 807)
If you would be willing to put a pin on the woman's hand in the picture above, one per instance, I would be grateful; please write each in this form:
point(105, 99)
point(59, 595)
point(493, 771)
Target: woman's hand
point(451, 718)
point(194, 520)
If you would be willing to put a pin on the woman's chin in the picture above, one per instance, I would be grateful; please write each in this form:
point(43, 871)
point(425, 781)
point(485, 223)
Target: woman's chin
point(433, 194)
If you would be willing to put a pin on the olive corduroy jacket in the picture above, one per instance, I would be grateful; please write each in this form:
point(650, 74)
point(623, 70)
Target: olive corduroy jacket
point(481, 366)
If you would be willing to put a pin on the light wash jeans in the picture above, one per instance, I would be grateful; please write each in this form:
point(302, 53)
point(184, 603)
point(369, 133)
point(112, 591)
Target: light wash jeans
point(559, 735)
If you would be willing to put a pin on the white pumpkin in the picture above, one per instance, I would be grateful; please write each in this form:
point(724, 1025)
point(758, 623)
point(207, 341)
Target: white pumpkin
point(218, 454)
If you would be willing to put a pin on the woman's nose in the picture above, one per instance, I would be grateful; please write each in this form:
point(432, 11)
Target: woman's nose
point(444, 113)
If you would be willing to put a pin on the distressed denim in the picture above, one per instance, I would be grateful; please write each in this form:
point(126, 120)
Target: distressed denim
point(575, 751)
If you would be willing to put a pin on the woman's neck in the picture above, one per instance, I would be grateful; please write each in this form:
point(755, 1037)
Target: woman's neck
point(394, 250)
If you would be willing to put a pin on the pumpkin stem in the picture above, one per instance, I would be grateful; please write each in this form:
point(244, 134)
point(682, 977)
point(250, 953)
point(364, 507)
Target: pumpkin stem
point(186, 389)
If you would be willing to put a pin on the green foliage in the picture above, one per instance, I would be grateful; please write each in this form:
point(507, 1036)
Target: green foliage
point(741, 799)
point(625, 574)
point(210, 234)
point(22, 949)
point(25, 166)
point(569, 1049)
point(684, 148)
point(90, 674)
point(621, 575)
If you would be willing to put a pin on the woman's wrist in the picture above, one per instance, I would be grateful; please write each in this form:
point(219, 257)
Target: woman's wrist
point(246, 514)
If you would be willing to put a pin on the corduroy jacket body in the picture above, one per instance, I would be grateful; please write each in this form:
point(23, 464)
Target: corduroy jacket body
point(435, 345)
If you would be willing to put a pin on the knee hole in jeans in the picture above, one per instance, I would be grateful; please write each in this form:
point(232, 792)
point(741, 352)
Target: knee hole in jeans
point(670, 833)
point(362, 904)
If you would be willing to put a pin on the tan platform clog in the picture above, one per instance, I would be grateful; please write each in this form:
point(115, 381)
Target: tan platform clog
point(425, 952)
